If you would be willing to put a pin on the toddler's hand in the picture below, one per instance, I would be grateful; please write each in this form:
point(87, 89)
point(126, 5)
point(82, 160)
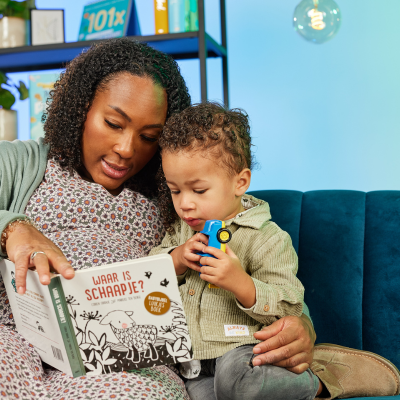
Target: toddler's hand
point(226, 272)
point(185, 255)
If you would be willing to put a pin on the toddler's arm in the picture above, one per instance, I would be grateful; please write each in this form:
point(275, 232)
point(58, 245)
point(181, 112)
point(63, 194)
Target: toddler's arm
point(273, 268)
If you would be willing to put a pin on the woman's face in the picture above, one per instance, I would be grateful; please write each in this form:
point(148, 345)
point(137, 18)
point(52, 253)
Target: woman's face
point(121, 131)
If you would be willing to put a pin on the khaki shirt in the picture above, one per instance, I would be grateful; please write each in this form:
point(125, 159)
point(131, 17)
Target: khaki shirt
point(267, 255)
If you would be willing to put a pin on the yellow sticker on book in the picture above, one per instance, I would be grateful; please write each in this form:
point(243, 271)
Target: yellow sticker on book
point(157, 303)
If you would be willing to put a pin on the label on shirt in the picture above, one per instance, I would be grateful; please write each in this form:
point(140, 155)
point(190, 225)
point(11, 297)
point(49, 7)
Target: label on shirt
point(236, 330)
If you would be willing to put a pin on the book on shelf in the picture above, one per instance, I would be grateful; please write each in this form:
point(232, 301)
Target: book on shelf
point(105, 19)
point(187, 15)
point(40, 86)
point(176, 16)
point(161, 16)
point(193, 13)
point(183, 15)
point(116, 317)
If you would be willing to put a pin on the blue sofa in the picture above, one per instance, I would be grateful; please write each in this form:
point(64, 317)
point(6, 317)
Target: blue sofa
point(348, 244)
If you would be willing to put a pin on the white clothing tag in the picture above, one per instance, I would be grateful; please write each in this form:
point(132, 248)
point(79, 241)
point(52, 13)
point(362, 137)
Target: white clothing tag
point(236, 330)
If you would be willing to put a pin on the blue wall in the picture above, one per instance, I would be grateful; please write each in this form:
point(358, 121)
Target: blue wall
point(322, 116)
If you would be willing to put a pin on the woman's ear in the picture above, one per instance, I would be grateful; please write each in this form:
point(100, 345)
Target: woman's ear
point(243, 182)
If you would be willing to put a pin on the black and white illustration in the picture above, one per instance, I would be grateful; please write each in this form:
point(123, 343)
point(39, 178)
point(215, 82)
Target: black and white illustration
point(116, 331)
point(130, 345)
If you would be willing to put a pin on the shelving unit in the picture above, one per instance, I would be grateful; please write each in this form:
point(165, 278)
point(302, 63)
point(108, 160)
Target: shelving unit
point(186, 45)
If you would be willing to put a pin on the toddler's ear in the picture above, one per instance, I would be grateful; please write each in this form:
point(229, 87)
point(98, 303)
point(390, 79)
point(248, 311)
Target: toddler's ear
point(243, 182)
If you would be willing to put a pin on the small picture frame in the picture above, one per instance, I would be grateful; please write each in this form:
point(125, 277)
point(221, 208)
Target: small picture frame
point(47, 26)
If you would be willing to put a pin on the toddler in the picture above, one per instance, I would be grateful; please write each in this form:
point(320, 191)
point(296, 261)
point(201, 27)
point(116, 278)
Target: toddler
point(206, 161)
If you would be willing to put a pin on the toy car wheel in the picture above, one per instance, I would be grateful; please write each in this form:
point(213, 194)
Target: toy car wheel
point(224, 235)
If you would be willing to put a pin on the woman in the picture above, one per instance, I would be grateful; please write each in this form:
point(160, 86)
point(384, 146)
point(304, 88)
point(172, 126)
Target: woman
point(89, 188)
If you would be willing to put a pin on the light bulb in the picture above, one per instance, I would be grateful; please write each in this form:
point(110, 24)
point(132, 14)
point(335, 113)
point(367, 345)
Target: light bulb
point(317, 20)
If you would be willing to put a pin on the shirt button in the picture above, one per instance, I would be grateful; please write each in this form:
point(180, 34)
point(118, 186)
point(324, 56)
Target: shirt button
point(266, 308)
point(191, 292)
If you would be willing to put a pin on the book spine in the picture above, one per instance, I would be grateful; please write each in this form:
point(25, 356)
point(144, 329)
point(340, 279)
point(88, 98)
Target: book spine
point(176, 16)
point(187, 15)
point(161, 16)
point(66, 327)
point(194, 16)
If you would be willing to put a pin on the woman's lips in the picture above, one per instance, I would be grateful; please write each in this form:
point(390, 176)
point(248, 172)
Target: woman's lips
point(114, 171)
point(192, 221)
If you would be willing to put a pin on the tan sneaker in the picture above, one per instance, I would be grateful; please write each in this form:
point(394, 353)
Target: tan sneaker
point(350, 373)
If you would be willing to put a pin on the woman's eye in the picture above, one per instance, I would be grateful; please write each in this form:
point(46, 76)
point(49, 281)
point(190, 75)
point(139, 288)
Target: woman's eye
point(175, 191)
point(149, 139)
point(200, 191)
point(113, 126)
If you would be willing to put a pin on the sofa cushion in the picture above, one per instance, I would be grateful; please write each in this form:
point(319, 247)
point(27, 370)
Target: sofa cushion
point(348, 244)
point(381, 298)
point(331, 251)
point(285, 208)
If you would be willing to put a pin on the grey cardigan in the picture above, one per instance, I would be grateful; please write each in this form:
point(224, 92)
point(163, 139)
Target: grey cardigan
point(22, 167)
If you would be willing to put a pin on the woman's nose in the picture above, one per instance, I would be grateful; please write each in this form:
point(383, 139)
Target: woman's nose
point(125, 146)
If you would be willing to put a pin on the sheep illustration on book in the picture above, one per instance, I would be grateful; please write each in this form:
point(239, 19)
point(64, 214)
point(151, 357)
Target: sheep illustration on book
point(138, 338)
point(40, 327)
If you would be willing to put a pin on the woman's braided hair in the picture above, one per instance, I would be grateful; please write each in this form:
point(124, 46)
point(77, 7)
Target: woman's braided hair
point(91, 71)
point(208, 127)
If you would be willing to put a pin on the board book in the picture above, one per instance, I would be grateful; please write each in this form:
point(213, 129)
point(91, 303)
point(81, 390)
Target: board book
point(116, 317)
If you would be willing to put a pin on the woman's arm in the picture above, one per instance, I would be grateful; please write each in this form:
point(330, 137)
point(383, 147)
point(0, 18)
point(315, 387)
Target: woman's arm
point(288, 342)
point(22, 167)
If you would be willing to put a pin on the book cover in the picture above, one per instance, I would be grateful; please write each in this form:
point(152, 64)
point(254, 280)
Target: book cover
point(187, 15)
point(122, 316)
point(105, 19)
point(35, 317)
point(40, 86)
point(176, 16)
point(161, 16)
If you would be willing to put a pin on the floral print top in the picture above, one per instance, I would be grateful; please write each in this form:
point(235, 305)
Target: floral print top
point(89, 225)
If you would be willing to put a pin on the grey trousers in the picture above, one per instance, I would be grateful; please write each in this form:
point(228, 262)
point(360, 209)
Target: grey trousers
point(233, 376)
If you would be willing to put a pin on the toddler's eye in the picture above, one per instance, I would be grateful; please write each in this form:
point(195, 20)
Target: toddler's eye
point(175, 191)
point(200, 191)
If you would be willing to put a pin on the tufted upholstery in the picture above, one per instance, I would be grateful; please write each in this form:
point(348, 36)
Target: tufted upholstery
point(348, 244)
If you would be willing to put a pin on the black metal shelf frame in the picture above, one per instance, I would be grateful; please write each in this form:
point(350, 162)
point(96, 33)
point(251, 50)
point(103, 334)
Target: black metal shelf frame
point(186, 45)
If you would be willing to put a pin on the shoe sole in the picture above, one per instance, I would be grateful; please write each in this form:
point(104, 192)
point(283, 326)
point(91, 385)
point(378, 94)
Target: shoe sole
point(389, 365)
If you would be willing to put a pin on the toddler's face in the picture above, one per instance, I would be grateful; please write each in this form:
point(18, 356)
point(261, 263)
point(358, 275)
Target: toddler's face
point(201, 188)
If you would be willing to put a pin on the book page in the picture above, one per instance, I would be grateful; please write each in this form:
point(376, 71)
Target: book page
point(128, 315)
point(35, 318)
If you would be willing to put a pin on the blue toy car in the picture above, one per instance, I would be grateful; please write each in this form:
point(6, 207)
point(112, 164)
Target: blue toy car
point(218, 236)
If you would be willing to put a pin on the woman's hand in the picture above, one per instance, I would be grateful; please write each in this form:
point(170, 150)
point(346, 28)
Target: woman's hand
point(25, 240)
point(288, 342)
point(185, 255)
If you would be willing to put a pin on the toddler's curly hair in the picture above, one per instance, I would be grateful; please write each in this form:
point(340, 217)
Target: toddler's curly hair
point(210, 127)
